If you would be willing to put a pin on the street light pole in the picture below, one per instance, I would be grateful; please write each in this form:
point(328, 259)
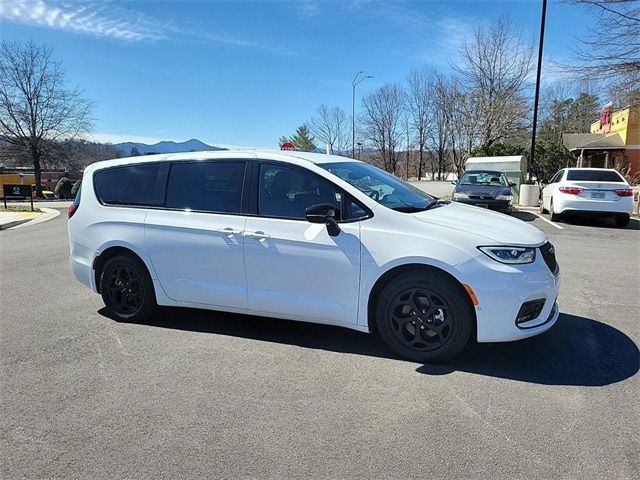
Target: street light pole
point(355, 82)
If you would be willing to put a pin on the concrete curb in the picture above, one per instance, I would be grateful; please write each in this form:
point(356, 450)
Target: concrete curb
point(15, 223)
point(47, 214)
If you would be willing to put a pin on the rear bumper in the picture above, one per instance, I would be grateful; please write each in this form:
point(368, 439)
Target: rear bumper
point(623, 205)
point(81, 262)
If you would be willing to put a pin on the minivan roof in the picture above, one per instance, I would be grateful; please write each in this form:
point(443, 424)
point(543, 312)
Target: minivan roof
point(294, 157)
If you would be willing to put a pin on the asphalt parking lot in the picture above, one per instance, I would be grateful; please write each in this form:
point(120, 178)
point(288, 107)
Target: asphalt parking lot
point(205, 394)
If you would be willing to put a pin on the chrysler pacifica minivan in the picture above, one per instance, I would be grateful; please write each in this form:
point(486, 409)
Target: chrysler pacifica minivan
point(310, 237)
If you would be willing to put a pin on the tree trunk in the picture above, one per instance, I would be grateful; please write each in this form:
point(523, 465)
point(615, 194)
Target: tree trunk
point(37, 170)
point(420, 164)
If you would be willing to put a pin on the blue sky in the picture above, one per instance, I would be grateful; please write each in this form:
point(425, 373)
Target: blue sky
point(245, 73)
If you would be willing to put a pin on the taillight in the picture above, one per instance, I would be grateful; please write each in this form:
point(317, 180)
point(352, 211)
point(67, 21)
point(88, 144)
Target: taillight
point(72, 209)
point(571, 190)
point(624, 192)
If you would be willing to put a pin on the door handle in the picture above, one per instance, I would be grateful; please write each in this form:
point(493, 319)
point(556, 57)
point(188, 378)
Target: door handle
point(257, 235)
point(229, 231)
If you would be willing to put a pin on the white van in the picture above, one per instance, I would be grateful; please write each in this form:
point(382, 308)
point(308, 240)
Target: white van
point(309, 237)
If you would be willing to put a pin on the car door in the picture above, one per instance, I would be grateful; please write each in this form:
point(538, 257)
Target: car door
point(295, 268)
point(196, 241)
point(547, 191)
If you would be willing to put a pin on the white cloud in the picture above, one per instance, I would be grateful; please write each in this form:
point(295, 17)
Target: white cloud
point(97, 19)
point(104, 19)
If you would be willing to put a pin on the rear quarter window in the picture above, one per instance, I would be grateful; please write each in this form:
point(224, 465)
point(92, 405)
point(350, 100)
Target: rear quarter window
point(137, 185)
point(595, 175)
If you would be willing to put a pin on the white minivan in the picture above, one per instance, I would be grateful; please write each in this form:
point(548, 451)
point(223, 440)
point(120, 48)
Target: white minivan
point(310, 237)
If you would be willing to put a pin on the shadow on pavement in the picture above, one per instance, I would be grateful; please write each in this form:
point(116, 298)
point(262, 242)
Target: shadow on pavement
point(524, 216)
point(599, 222)
point(576, 351)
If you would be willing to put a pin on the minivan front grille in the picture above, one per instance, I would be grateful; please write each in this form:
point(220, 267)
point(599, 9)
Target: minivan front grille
point(549, 255)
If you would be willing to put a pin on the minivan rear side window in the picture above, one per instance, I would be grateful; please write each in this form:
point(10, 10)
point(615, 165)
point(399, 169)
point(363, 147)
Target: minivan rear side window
point(595, 175)
point(206, 186)
point(137, 185)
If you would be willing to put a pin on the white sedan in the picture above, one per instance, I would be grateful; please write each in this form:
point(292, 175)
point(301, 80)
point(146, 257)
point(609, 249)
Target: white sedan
point(589, 191)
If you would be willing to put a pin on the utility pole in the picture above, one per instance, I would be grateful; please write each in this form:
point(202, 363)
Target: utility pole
point(537, 94)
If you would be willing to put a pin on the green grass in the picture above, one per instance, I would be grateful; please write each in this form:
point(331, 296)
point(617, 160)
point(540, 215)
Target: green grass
point(17, 208)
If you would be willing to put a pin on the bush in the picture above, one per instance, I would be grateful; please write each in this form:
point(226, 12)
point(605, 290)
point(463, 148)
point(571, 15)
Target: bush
point(499, 150)
point(75, 188)
point(551, 157)
point(63, 188)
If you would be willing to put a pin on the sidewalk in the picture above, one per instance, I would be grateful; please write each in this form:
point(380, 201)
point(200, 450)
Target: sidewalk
point(23, 219)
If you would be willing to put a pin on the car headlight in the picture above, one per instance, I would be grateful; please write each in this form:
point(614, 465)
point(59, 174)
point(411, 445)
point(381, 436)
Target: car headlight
point(504, 197)
point(510, 255)
point(459, 195)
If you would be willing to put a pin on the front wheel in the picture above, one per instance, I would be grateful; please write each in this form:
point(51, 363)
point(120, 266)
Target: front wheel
point(425, 316)
point(127, 289)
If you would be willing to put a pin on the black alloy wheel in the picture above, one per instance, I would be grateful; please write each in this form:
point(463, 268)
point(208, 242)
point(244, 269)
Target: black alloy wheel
point(127, 289)
point(425, 315)
point(421, 319)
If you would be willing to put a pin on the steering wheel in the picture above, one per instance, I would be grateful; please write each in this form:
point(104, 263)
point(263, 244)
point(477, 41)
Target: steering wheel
point(375, 194)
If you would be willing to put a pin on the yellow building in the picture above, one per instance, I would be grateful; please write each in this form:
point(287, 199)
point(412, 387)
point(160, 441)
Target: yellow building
point(613, 141)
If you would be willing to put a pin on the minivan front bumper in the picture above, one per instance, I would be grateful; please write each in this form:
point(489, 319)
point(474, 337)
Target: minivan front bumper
point(501, 291)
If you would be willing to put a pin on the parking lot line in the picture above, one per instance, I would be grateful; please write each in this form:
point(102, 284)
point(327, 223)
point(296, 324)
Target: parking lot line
point(539, 215)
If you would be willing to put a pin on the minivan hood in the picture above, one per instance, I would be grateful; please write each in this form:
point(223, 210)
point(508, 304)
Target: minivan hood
point(497, 228)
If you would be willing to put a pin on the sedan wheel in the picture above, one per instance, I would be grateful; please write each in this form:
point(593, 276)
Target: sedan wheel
point(553, 216)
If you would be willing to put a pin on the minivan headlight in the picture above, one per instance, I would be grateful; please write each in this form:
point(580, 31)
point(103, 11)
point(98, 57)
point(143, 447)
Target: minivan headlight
point(504, 197)
point(459, 195)
point(512, 255)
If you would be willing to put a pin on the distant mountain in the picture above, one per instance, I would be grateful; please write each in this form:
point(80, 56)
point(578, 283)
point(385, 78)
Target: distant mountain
point(192, 145)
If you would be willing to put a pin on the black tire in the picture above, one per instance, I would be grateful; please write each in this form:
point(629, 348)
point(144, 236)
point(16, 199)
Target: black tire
point(553, 216)
point(127, 290)
point(622, 220)
point(542, 209)
point(446, 323)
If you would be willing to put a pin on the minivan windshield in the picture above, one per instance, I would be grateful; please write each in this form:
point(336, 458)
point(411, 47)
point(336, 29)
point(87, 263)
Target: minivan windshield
point(384, 188)
point(483, 178)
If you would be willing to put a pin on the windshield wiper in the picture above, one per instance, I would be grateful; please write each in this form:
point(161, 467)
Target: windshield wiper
point(436, 203)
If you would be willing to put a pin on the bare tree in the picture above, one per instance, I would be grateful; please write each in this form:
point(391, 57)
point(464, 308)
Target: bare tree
point(494, 68)
point(463, 127)
point(438, 134)
point(615, 57)
point(331, 127)
point(420, 108)
point(382, 113)
point(37, 110)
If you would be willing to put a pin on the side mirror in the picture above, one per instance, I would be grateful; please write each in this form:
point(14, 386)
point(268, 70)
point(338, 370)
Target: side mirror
point(454, 182)
point(511, 184)
point(324, 213)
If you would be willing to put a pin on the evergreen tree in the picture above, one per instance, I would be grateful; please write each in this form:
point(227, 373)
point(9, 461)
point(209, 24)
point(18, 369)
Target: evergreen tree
point(303, 139)
point(134, 152)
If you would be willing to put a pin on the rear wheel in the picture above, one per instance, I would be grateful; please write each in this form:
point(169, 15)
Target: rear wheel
point(622, 220)
point(424, 316)
point(542, 209)
point(127, 289)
